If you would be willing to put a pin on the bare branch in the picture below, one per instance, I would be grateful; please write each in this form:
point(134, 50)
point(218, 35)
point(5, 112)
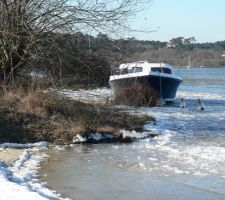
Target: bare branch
point(24, 24)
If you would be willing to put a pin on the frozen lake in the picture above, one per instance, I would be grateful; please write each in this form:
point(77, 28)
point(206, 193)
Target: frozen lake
point(186, 161)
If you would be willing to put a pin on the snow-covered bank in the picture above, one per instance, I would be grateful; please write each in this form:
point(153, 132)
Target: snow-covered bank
point(99, 95)
point(28, 145)
point(19, 180)
point(124, 136)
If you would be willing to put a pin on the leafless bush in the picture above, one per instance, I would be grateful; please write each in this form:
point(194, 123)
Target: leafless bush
point(26, 27)
point(137, 95)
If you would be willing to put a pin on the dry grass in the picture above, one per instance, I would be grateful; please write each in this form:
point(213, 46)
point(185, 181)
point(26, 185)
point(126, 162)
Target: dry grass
point(34, 116)
point(10, 97)
point(137, 95)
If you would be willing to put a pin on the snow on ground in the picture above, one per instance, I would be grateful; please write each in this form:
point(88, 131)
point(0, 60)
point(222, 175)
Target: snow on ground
point(95, 95)
point(19, 180)
point(28, 145)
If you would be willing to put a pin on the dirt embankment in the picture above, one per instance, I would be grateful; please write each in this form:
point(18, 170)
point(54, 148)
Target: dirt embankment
point(36, 116)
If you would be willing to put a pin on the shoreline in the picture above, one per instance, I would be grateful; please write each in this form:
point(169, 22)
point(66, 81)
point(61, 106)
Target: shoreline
point(33, 117)
point(10, 155)
point(19, 177)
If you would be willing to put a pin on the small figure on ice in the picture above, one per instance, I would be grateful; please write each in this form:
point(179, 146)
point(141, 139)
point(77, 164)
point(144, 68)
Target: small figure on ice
point(200, 104)
point(182, 103)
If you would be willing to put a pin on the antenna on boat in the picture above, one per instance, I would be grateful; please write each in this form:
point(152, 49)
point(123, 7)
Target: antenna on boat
point(78, 44)
point(89, 43)
point(161, 101)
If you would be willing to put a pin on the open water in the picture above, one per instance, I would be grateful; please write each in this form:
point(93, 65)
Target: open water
point(185, 161)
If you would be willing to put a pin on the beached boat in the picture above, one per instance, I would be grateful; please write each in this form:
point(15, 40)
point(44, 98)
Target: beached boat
point(159, 76)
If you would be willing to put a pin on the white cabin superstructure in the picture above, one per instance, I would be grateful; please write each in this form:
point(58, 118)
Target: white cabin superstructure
point(145, 65)
point(144, 68)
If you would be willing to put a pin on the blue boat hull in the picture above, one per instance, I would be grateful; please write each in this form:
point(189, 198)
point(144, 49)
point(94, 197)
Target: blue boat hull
point(165, 86)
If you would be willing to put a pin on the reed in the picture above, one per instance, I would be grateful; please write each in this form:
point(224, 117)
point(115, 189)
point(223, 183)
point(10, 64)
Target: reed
point(137, 95)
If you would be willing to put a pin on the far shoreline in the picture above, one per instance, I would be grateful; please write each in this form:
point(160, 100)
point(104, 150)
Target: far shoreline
point(198, 67)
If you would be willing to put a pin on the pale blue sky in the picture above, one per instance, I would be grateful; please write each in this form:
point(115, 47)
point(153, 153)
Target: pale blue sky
point(202, 19)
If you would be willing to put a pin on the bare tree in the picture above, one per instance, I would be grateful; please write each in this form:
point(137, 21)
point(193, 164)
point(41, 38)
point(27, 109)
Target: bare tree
point(25, 25)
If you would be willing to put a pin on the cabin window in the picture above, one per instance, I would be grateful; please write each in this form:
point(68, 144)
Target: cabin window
point(161, 70)
point(156, 69)
point(135, 69)
point(166, 70)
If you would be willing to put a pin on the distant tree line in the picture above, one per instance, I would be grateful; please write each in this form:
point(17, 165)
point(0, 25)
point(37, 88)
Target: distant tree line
point(176, 51)
point(82, 59)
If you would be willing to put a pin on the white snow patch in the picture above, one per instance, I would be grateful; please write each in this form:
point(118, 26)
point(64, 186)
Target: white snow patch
point(28, 145)
point(20, 181)
point(134, 134)
point(96, 136)
point(79, 138)
point(96, 95)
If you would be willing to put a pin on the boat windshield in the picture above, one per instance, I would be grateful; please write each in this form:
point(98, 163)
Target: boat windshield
point(135, 69)
point(161, 70)
point(131, 70)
